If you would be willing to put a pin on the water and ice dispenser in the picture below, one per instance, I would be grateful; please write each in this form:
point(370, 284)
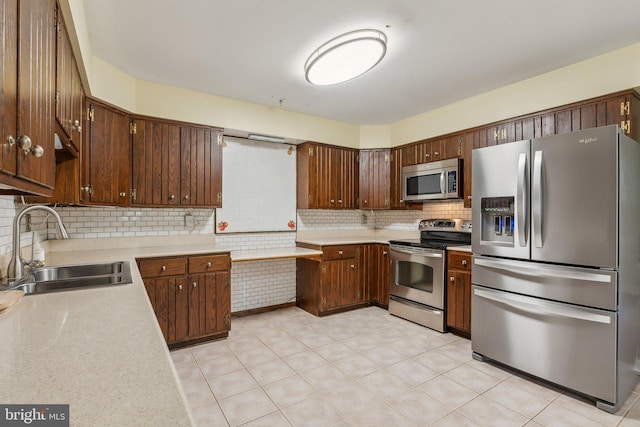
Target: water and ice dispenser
point(497, 220)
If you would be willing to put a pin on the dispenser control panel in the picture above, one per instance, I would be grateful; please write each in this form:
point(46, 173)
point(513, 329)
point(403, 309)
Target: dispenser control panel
point(497, 220)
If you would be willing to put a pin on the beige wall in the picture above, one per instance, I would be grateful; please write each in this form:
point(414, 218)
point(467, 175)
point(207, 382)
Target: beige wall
point(611, 72)
point(614, 71)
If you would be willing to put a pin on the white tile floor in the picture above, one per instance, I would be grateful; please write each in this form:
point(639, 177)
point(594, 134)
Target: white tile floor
point(365, 368)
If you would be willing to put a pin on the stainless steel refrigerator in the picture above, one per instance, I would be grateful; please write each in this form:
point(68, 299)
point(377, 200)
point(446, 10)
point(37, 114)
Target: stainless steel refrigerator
point(556, 264)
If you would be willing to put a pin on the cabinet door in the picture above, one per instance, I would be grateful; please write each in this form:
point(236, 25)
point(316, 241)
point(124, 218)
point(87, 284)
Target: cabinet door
point(459, 300)
point(106, 156)
point(156, 164)
point(209, 303)
point(9, 85)
point(169, 299)
point(451, 147)
point(395, 179)
point(468, 141)
point(383, 266)
point(64, 64)
point(69, 91)
point(349, 179)
point(36, 68)
point(200, 167)
point(375, 168)
point(331, 281)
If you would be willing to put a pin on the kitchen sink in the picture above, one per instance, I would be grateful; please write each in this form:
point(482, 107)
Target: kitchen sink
point(69, 277)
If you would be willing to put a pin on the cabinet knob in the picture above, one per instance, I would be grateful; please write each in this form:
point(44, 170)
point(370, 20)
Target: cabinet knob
point(332, 201)
point(452, 279)
point(76, 126)
point(353, 266)
point(180, 287)
point(195, 285)
point(340, 201)
point(437, 153)
point(340, 253)
point(172, 196)
point(37, 151)
point(427, 155)
point(464, 262)
point(365, 202)
point(186, 197)
point(123, 194)
point(11, 140)
point(164, 268)
point(384, 253)
point(25, 144)
point(209, 264)
point(469, 197)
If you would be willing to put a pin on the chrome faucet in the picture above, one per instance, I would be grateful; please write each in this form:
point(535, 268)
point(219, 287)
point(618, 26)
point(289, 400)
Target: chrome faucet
point(15, 271)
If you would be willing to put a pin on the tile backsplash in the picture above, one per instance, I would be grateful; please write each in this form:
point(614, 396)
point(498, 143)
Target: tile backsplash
point(253, 284)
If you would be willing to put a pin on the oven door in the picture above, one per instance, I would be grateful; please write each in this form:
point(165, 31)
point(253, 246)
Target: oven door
point(417, 274)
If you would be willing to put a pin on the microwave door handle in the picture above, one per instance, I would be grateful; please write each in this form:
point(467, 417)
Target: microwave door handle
point(521, 200)
point(443, 189)
point(537, 196)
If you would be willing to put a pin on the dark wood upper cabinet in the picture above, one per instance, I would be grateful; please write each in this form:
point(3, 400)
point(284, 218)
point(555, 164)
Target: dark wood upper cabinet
point(28, 92)
point(328, 177)
point(69, 91)
point(175, 165)
point(106, 156)
point(375, 168)
point(200, 167)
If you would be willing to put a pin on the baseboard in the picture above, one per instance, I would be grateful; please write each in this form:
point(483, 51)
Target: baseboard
point(259, 310)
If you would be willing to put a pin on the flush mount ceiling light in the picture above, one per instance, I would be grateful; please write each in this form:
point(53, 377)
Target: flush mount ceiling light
point(345, 57)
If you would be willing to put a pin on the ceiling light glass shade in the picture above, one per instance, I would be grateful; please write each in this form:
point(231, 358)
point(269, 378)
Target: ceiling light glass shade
point(345, 57)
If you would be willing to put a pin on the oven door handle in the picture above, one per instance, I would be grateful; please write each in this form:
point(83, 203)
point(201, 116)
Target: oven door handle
point(532, 306)
point(428, 255)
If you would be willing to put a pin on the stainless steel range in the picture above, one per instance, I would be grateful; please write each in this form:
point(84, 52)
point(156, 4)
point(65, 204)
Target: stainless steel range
point(417, 275)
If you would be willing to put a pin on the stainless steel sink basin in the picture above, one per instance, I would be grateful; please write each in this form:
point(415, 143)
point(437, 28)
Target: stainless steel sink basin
point(68, 277)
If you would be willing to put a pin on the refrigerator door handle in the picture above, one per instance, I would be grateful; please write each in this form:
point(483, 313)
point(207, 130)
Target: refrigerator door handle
point(443, 189)
point(517, 268)
point(532, 306)
point(536, 201)
point(521, 200)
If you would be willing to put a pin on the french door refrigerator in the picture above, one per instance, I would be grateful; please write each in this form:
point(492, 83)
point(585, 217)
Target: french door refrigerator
point(556, 264)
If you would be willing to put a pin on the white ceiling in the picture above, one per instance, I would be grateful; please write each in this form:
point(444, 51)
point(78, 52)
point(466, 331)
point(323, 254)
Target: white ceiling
point(439, 51)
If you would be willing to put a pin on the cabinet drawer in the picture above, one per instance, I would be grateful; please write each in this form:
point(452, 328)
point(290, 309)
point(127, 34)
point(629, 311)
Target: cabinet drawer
point(338, 252)
point(161, 267)
point(207, 263)
point(459, 260)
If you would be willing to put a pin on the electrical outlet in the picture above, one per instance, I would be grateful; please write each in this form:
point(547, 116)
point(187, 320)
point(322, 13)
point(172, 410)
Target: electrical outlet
point(189, 221)
point(363, 219)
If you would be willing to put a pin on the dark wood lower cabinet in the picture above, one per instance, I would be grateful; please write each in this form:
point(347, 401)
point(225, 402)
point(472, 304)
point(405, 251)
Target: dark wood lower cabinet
point(334, 283)
point(346, 277)
point(377, 274)
point(459, 293)
point(189, 307)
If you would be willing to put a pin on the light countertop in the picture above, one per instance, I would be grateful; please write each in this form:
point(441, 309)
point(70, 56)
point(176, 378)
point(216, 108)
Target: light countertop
point(99, 350)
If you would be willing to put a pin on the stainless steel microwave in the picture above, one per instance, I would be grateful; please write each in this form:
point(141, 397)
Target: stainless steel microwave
point(432, 181)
